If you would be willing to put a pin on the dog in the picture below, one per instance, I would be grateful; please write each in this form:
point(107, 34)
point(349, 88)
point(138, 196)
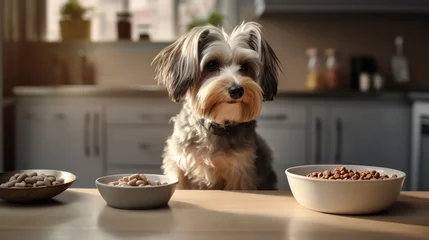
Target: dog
point(222, 80)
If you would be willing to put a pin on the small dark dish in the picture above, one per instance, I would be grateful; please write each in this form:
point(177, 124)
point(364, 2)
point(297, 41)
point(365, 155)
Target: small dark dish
point(34, 195)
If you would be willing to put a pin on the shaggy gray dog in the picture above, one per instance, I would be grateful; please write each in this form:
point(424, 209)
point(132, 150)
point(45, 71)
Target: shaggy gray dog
point(222, 81)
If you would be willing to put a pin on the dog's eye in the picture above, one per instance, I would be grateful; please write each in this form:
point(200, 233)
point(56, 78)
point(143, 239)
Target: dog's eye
point(244, 67)
point(212, 66)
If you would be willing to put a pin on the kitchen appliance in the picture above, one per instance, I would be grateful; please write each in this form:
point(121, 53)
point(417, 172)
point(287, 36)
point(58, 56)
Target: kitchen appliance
point(361, 64)
point(424, 152)
point(420, 147)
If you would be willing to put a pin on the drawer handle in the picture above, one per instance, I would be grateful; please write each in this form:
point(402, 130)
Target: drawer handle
point(86, 135)
point(339, 127)
point(273, 117)
point(144, 116)
point(144, 146)
point(318, 156)
point(96, 134)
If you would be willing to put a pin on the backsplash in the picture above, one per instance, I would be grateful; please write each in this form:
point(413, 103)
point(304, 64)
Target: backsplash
point(124, 63)
point(349, 35)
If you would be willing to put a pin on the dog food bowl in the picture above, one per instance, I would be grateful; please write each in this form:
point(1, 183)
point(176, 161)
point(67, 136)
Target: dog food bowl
point(34, 195)
point(128, 197)
point(344, 196)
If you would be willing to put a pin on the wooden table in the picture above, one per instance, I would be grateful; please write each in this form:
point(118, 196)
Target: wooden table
point(82, 214)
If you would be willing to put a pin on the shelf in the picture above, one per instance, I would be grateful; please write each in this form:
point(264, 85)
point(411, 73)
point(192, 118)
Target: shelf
point(111, 46)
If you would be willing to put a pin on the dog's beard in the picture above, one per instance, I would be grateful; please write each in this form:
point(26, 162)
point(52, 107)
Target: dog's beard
point(212, 101)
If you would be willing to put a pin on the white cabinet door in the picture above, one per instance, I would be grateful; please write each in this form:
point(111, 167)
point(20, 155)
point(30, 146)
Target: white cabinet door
point(371, 135)
point(67, 138)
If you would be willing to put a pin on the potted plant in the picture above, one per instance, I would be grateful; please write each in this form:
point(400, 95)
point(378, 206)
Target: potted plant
point(214, 19)
point(74, 25)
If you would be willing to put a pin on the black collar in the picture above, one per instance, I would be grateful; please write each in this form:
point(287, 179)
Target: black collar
point(218, 129)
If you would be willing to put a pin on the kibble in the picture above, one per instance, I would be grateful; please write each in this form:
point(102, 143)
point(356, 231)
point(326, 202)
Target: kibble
point(348, 174)
point(31, 180)
point(136, 180)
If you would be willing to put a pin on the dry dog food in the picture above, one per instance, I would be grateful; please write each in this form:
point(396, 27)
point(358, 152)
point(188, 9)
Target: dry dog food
point(136, 180)
point(348, 174)
point(32, 180)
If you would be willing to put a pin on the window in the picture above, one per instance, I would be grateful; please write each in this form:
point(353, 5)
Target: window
point(156, 17)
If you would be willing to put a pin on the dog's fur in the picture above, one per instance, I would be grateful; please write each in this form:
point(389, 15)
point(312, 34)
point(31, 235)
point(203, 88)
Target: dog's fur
point(198, 69)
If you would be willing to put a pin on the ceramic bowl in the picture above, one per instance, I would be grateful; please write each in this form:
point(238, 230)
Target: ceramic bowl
point(34, 195)
point(344, 196)
point(125, 197)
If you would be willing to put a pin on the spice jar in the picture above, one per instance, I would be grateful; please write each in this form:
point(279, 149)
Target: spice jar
point(377, 82)
point(144, 30)
point(331, 75)
point(124, 25)
point(313, 74)
point(364, 82)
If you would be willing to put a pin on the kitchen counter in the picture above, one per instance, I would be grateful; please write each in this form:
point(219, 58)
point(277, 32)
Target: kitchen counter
point(159, 91)
point(82, 214)
point(419, 96)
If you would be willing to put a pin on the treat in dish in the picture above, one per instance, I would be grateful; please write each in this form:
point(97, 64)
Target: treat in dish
point(32, 180)
point(136, 180)
point(342, 173)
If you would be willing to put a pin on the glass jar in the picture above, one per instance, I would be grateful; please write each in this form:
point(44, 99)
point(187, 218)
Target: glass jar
point(144, 30)
point(331, 76)
point(124, 25)
point(313, 72)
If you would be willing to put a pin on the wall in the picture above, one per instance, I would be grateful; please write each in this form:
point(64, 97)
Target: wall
point(127, 63)
point(350, 35)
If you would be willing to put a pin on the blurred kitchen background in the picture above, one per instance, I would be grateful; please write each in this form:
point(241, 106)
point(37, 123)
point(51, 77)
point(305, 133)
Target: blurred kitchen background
point(79, 93)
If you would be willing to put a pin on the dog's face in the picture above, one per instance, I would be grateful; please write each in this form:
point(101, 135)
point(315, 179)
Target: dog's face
point(224, 77)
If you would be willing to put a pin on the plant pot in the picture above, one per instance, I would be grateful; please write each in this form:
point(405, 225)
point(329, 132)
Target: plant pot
point(75, 29)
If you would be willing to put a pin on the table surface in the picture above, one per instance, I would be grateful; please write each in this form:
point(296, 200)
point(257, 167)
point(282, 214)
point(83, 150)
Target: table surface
point(83, 214)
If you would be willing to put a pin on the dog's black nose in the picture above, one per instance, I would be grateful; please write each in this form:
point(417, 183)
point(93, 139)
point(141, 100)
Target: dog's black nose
point(236, 91)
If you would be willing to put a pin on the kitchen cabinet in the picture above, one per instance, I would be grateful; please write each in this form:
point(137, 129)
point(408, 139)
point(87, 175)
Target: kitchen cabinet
point(283, 7)
point(101, 135)
point(284, 127)
point(65, 137)
point(136, 133)
point(370, 135)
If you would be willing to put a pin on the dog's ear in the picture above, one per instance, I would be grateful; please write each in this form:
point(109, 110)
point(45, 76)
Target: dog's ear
point(268, 74)
point(177, 66)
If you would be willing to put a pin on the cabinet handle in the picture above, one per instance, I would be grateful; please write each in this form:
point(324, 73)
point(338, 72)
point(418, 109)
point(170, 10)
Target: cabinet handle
point(96, 134)
point(86, 135)
point(144, 116)
point(339, 127)
point(144, 146)
point(318, 156)
point(273, 117)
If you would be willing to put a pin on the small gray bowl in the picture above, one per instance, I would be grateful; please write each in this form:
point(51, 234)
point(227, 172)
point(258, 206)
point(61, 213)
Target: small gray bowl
point(136, 197)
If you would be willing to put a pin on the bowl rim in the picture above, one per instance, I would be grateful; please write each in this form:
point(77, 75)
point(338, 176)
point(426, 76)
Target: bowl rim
point(97, 181)
point(288, 173)
point(35, 170)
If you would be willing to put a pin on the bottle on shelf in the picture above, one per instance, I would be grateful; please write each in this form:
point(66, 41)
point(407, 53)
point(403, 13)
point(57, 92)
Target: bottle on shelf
point(331, 74)
point(399, 63)
point(313, 73)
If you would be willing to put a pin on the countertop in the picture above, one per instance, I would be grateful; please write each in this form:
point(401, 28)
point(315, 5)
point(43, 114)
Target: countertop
point(83, 214)
point(159, 91)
